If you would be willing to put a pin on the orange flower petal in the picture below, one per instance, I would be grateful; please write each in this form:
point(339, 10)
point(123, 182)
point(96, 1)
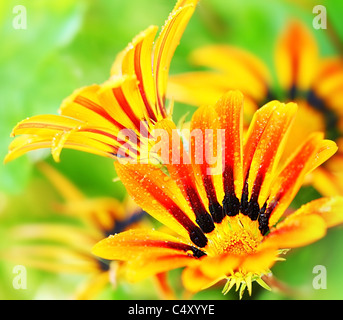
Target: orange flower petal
point(84, 105)
point(297, 231)
point(328, 82)
point(291, 177)
point(195, 280)
point(159, 195)
point(326, 149)
point(136, 60)
point(166, 44)
point(179, 166)
point(330, 209)
point(206, 158)
point(250, 74)
point(143, 244)
point(56, 140)
point(295, 56)
point(138, 269)
point(229, 109)
point(325, 182)
point(260, 261)
point(198, 88)
point(121, 98)
point(264, 146)
point(225, 264)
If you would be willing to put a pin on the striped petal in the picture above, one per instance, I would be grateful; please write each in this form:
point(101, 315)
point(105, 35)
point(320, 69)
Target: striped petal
point(291, 177)
point(178, 164)
point(131, 243)
point(326, 149)
point(147, 252)
point(133, 98)
point(84, 124)
point(328, 83)
point(120, 96)
point(157, 194)
point(150, 62)
point(56, 140)
point(166, 44)
point(263, 148)
point(229, 110)
point(136, 60)
point(206, 158)
point(307, 121)
point(295, 55)
point(83, 104)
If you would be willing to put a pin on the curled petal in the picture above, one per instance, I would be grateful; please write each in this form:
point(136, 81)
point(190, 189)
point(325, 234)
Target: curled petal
point(329, 208)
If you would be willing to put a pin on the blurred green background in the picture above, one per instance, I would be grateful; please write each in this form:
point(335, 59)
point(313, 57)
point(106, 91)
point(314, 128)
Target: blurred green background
point(68, 44)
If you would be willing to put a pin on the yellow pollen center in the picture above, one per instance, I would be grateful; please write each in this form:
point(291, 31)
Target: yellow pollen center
point(240, 243)
point(238, 236)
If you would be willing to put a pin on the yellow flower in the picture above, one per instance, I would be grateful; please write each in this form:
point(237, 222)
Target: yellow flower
point(64, 247)
point(227, 222)
point(100, 118)
point(302, 76)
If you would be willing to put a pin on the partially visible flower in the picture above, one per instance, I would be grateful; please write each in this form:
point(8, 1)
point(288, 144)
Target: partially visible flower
point(101, 118)
point(302, 76)
point(65, 247)
point(227, 224)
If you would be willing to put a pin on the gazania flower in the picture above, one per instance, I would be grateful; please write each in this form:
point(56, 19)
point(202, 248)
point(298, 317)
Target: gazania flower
point(302, 76)
point(226, 224)
point(101, 118)
point(65, 247)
